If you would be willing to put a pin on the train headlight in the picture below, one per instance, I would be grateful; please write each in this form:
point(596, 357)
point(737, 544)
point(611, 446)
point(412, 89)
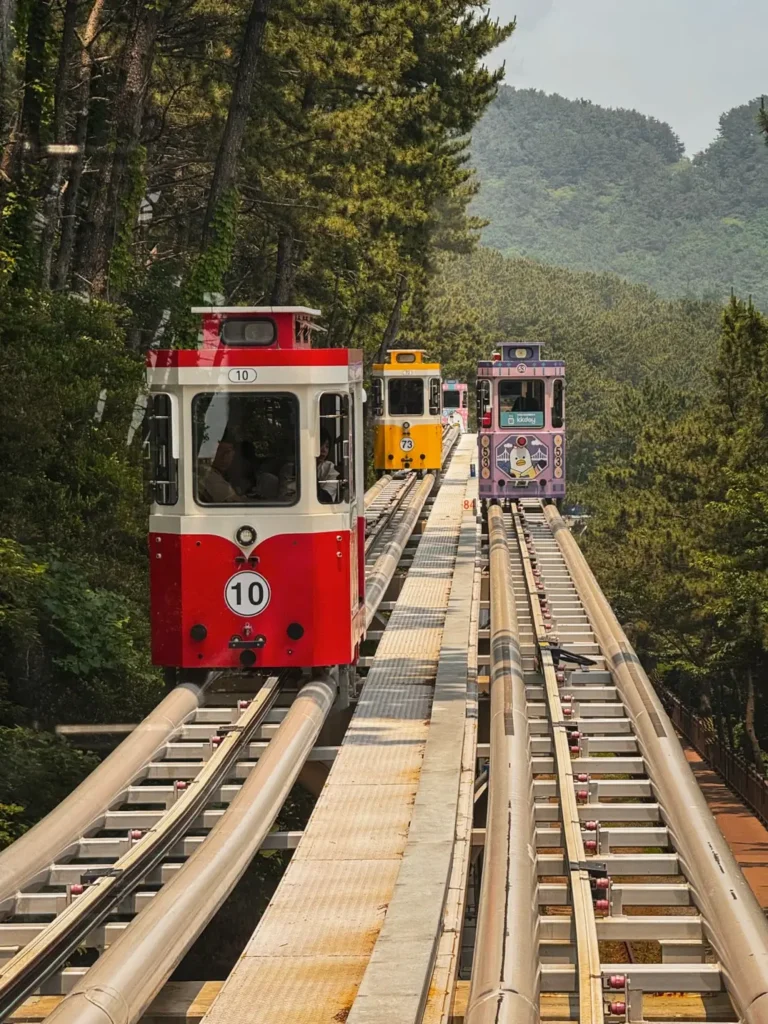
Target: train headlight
point(406, 426)
point(245, 536)
point(521, 441)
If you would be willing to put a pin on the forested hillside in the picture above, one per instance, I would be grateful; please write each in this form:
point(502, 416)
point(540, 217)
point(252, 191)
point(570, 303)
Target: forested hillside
point(154, 155)
point(587, 188)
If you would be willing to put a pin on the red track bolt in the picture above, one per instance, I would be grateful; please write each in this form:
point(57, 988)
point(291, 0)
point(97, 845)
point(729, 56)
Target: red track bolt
point(582, 777)
point(617, 981)
point(179, 784)
point(215, 741)
point(547, 625)
point(242, 705)
point(567, 712)
point(540, 585)
point(602, 905)
point(590, 845)
point(618, 1009)
point(582, 795)
point(135, 834)
point(575, 735)
point(591, 826)
point(567, 698)
point(576, 749)
point(603, 883)
point(77, 889)
point(560, 676)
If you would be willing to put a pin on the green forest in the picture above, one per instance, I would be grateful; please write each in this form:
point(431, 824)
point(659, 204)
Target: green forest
point(157, 154)
point(573, 184)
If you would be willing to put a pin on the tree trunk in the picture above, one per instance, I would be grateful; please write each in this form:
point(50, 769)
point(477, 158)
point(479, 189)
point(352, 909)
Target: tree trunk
point(69, 218)
point(56, 167)
point(749, 724)
point(393, 326)
point(104, 215)
point(7, 14)
point(237, 117)
point(23, 144)
point(282, 290)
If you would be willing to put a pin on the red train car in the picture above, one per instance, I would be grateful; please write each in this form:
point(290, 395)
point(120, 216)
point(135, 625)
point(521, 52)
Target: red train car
point(257, 525)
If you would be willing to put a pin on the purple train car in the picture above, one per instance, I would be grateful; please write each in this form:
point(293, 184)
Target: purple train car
point(521, 423)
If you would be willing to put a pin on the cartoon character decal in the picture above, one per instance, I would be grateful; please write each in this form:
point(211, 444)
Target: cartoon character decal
point(522, 457)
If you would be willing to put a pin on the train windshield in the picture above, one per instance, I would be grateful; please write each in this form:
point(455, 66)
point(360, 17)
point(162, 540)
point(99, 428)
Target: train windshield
point(451, 399)
point(246, 448)
point(406, 396)
point(521, 403)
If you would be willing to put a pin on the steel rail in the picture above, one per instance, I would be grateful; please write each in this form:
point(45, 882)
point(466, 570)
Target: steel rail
point(30, 855)
point(55, 943)
point(587, 949)
point(127, 977)
point(381, 574)
point(733, 922)
point(373, 538)
point(505, 969)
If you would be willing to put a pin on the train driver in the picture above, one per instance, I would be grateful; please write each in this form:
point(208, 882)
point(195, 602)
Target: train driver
point(327, 474)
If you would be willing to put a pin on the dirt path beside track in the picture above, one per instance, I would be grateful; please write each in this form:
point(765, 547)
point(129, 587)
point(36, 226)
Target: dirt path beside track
point(743, 831)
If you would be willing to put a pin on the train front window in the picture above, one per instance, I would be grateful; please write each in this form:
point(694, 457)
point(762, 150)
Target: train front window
point(163, 444)
point(521, 403)
point(246, 449)
point(451, 399)
point(335, 464)
point(558, 413)
point(406, 396)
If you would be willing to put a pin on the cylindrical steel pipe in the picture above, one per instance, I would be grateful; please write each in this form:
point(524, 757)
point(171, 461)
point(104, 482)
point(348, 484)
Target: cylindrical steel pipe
point(125, 980)
point(505, 967)
point(379, 578)
point(373, 492)
point(31, 855)
point(733, 921)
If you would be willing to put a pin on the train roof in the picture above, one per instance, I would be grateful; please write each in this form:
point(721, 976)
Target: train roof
point(265, 310)
point(406, 360)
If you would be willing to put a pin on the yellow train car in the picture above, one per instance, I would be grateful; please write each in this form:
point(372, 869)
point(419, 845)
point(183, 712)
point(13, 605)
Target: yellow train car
point(407, 413)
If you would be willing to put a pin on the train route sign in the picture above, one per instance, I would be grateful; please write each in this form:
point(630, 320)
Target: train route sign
point(247, 593)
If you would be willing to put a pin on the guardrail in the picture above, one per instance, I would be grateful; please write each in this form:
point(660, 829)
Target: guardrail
point(737, 772)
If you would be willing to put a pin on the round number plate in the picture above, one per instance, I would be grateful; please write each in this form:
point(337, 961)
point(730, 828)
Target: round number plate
point(247, 593)
point(406, 444)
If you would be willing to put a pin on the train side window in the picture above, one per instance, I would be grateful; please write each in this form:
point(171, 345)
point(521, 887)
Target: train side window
point(484, 413)
point(246, 448)
point(452, 399)
point(558, 403)
point(377, 386)
point(163, 449)
point(335, 464)
point(521, 403)
point(406, 396)
point(435, 392)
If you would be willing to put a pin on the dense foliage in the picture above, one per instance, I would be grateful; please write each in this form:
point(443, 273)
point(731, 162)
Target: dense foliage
point(576, 185)
point(157, 154)
point(679, 537)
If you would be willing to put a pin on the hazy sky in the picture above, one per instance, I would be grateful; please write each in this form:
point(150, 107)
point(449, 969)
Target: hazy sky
point(681, 61)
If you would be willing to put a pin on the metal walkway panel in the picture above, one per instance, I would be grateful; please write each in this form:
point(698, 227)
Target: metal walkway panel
point(308, 955)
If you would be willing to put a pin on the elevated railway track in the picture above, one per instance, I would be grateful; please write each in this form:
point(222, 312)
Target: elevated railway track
point(507, 831)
